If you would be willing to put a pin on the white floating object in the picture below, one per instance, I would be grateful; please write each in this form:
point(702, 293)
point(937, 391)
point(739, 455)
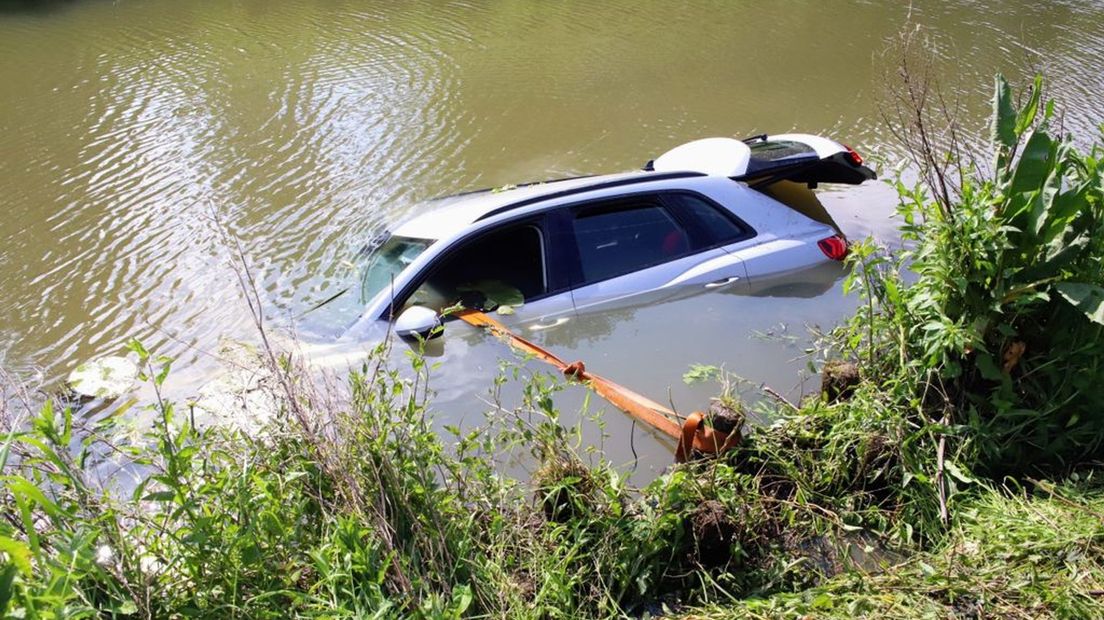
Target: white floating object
point(245, 395)
point(107, 377)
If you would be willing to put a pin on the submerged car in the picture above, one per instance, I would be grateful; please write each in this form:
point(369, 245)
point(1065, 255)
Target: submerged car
point(718, 213)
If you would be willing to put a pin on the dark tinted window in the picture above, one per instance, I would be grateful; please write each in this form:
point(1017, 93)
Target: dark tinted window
point(773, 151)
point(713, 225)
point(617, 239)
point(766, 155)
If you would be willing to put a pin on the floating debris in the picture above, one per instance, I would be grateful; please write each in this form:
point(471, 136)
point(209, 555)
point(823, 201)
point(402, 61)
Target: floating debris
point(107, 378)
point(245, 396)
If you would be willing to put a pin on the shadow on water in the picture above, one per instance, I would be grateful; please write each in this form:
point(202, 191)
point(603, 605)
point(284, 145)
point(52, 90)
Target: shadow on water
point(41, 7)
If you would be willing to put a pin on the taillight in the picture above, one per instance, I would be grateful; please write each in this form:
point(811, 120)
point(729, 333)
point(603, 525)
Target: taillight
point(853, 156)
point(834, 247)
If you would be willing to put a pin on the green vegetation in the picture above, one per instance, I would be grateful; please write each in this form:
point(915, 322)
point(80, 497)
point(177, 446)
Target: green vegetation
point(912, 494)
point(1008, 555)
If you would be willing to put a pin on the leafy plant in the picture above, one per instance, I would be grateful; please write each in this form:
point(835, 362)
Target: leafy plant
point(1000, 328)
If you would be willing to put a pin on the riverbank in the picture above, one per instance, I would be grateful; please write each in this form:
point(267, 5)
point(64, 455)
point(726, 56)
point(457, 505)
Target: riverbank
point(922, 488)
point(1017, 552)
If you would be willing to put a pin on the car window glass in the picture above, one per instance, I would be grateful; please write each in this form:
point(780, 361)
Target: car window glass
point(617, 239)
point(504, 268)
point(775, 150)
point(386, 261)
point(715, 226)
point(776, 153)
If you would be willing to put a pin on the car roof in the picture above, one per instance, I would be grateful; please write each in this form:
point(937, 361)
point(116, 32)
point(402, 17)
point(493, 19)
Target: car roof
point(720, 157)
point(451, 214)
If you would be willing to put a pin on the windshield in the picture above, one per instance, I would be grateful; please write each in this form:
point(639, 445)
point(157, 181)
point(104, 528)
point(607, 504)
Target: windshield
point(387, 261)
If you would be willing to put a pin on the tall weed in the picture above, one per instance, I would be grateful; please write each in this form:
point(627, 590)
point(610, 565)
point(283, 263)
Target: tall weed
point(999, 324)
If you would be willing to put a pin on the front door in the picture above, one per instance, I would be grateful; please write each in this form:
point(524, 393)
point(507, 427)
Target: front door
point(505, 272)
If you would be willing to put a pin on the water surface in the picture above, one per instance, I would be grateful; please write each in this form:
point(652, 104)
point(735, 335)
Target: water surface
point(135, 135)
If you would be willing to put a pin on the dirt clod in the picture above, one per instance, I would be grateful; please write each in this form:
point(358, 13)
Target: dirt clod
point(713, 531)
point(838, 380)
point(725, 417)
point(564, 489)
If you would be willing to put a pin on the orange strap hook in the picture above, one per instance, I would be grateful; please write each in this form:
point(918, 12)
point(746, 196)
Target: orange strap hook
point(691, 435)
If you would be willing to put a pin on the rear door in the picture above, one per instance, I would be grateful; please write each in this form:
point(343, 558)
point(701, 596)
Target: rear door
point(645, 248)
point(786, 240)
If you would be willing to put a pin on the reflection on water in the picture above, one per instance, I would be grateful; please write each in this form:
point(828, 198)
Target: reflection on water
point(133, 134)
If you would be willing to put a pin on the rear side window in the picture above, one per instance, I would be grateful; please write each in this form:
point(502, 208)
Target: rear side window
point(711, 225)
point(617, 239)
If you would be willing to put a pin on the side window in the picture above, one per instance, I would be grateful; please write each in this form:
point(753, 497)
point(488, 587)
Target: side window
point(711, 225)
point(615, 239)
point(502, 268)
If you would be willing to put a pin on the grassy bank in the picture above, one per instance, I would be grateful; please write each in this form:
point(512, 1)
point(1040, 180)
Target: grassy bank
point(910, 492)
point(1009, 553)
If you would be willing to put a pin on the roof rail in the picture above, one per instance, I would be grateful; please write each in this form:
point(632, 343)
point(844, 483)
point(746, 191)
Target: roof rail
point(644, 178)
point(483, 190)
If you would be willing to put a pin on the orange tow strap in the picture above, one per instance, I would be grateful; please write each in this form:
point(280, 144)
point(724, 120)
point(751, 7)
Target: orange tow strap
point(691, 435)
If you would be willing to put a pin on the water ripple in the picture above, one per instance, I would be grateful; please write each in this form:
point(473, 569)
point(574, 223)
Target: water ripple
point(134, 135)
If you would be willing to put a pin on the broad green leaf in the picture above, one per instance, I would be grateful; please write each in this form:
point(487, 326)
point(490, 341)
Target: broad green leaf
point(160, 496)
point(7, 588)
point(137, 346)
point(22, 487)
point(1088, 298)
point(18, 554)
point(1030, 111)
point(989, 369)
point(1034, 165)
point(1060, 252)
point(1003, 128)
point(954, 470)
point(462, 599)
point(163, 373)
point(1078, 199)
point(1043, 206)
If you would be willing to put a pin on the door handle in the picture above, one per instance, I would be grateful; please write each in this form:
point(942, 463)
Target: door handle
point(723, 282)
point(536, 327)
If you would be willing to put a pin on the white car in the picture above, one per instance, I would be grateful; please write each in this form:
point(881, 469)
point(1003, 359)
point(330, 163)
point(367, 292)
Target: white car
point(717, 213)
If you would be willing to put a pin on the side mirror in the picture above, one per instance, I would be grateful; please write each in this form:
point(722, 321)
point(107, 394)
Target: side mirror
point(418, 322)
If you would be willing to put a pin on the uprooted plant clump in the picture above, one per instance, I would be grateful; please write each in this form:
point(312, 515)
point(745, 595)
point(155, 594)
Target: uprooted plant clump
point(909, 490)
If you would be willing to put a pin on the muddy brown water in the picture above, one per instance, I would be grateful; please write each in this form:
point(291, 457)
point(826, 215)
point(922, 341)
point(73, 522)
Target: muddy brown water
point(134, 133)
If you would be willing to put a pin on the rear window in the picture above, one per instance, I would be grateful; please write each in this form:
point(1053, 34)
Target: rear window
point(765, 155)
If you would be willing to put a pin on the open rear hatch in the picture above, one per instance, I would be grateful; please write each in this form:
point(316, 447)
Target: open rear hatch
point(802, 158)
point(786, 167)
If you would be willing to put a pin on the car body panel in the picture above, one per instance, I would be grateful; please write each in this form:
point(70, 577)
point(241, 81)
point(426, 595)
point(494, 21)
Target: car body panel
point(714, 266)
point(783, 240)
point(724, 157)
